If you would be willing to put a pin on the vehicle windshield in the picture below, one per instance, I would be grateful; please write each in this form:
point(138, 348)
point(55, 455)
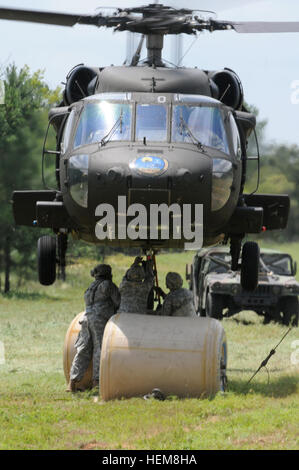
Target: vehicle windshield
point(204, 123)
point(151, 122)
point(104, 121)
point(219, 263)
point(278, 263)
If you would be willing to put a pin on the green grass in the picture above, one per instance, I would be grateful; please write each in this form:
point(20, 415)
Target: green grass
point(37, 413)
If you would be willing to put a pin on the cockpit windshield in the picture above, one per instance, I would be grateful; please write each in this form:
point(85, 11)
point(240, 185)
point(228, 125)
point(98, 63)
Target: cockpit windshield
point(151, 122)
point(202, 123)
point(103, 121)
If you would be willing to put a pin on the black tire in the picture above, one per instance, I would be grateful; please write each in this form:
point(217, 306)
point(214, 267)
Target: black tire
point(289, 308)
point(202, 312)
point(46, 259)
point(250, 266)
point(214, 306)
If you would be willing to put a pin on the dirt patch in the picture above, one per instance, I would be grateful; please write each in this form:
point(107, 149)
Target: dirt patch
point(278, 438)
point(93, 445)
point(211, 419)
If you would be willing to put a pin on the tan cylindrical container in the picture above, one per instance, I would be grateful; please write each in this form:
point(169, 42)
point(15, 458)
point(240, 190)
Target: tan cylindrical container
point(180, 356)
point(69, 352)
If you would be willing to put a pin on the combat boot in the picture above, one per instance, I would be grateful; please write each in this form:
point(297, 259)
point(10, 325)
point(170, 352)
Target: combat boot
point(72, 386)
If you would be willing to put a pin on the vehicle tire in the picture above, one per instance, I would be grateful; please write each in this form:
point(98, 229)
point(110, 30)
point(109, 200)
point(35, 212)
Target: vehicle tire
point(214, 306)
point(290, 311)
point(46, 260)
point(250, 266)
point(202, 312)
point(195, 300)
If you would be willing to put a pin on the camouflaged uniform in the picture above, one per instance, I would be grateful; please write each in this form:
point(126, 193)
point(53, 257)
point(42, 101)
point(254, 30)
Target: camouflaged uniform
point(179, 301)
point(136, 287)
point(102, 299)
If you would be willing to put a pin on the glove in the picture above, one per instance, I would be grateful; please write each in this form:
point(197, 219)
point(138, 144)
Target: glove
point(160, 292)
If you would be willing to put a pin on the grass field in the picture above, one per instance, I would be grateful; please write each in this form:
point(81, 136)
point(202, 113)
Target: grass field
point(37, 413)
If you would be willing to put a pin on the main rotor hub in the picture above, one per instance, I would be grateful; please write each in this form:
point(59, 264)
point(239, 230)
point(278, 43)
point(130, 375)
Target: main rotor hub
point(154, 44)
point(155, 19)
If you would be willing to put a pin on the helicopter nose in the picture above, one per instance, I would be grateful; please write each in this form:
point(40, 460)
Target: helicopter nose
point(181, 176)
point(177, 176)
point(115, 174)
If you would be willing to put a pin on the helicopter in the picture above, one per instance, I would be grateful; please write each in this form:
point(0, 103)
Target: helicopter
point(145, 134)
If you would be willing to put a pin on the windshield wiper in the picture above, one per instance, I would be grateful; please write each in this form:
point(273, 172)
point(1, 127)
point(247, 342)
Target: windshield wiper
point(263, 264)
point(197, 142)
point(220, 262)
point(118, 123)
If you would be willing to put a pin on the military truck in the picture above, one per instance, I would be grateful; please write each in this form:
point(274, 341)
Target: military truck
point(217, 291)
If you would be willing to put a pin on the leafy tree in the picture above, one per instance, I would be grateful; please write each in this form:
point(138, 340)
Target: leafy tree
point(284, 160)
point(260, 132)
point(22, 120)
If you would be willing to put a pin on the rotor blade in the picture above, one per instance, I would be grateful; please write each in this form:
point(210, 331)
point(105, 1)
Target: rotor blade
point(264, 26)
point(45, 17)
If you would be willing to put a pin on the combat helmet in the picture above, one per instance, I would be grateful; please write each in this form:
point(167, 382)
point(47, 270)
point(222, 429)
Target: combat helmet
point(101, 270)
point(135, 273)
point(173, 281)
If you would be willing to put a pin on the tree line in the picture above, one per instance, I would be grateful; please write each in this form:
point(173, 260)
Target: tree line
point(23, 121)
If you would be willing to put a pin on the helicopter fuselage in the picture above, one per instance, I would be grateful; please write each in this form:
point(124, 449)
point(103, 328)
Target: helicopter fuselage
point(151, 157)
point(151, 136)
point(145, 136)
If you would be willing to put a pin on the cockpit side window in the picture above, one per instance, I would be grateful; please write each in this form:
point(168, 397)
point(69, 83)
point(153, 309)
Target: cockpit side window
point(235, 137)
point(204, 123)
point(104, 121)
point(67, 131)
point(151, 122)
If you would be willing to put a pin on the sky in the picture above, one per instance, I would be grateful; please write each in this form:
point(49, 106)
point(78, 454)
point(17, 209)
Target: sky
point(267, 64)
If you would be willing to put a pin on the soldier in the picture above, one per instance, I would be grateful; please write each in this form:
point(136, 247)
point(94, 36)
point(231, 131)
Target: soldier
point(179, 301)
point(102, 299)
point(136, 286)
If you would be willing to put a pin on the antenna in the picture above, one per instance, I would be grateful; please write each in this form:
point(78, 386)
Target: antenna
point(177, 50)
point(131, 46)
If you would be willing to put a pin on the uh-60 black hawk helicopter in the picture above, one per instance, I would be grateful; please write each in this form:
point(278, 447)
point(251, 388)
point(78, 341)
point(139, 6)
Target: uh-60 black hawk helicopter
point(155, 134)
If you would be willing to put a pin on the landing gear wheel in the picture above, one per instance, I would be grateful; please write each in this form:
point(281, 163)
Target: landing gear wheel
point(250, 266)
point(214, 306)
point(290, 311)
point(46, 259)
